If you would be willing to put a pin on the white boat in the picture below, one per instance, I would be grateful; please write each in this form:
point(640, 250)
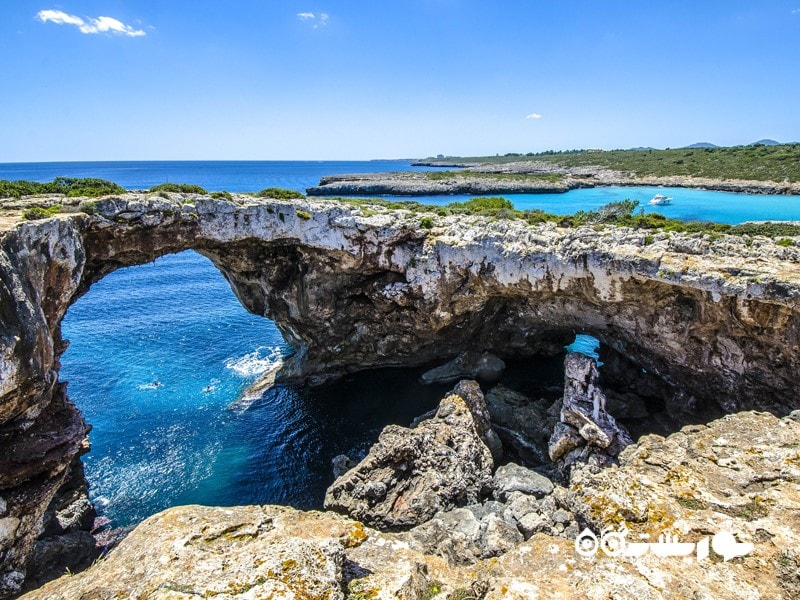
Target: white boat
point(660, 200)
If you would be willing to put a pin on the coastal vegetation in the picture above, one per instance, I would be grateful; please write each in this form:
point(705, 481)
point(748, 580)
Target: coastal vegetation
point(70, 187)
point(280, 194)
point(40, 212)
point(757, 163)
point(626, 213)
point(523, 177)
point(178, 188)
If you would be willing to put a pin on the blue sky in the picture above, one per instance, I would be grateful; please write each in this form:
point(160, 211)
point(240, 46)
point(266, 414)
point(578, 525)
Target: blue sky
point(260, 79)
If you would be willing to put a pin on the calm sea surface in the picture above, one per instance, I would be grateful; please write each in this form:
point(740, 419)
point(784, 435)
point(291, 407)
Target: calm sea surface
point(160, 352)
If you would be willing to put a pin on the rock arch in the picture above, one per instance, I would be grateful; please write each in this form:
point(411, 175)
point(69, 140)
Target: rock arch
point(718, 321)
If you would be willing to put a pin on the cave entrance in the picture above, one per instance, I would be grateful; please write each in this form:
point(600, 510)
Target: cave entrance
point(526, 403)
point(159, 355)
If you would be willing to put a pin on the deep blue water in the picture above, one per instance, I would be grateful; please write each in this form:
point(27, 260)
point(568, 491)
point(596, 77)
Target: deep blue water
point(159, 353)
point(213, 175)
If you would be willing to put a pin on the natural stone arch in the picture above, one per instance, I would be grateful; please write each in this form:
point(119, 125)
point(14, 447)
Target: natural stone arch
point(351, 291)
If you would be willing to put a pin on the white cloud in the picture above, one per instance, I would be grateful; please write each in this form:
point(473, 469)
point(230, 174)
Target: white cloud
point(89, 25)
point(58, 17)
point(534, 116)
point(317, 21)
point(796, 11)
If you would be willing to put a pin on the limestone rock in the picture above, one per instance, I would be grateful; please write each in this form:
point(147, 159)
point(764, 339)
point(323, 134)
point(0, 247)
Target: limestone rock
point(411, 474)
point(740, 474)
point(515, 478)
point(467, 365)
point(586, 428)
point(224, 553)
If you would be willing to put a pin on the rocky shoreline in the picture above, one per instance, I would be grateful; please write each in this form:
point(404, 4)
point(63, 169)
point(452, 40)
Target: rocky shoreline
point(524, 177)
point(695, 325)
point(428, 515)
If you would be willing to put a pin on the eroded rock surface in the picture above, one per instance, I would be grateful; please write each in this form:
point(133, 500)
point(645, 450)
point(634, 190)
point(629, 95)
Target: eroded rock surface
point(467, 365)
point(740, 474)
point(586, 433)
point(411, 474)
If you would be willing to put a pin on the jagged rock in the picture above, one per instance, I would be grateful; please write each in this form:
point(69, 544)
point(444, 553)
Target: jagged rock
point(466, 535)
point(564, 440)
point(586, 429)
point(516, 478)
point(521, 423)
point(467, 365)
point(740, 473)
point(471, 392)
point(342, 464)
point(411, 474)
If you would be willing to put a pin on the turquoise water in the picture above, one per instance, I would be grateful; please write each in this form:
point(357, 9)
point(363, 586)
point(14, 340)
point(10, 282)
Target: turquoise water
point(159, 353)
point(688, 204)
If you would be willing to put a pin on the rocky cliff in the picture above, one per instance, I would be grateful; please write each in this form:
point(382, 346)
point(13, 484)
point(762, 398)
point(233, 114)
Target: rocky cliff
point(715, 320)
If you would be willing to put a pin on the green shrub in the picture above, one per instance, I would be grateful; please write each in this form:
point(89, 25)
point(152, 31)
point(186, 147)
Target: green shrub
point(222, 195)
point(785, 242)
point(280, 194)
point(87, 207)
point(304, 215)
point(40, 212)
point(69, 186)
point(482, 205)
point(649, 239)
point(178, 188)
point(426, 223)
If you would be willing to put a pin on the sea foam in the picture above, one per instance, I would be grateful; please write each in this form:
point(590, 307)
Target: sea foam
point(255, 363)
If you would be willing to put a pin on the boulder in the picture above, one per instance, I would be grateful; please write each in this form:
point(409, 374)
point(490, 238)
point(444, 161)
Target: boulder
point(467, 365)
point(516, 478)
point(521, 423)
point(411, 474)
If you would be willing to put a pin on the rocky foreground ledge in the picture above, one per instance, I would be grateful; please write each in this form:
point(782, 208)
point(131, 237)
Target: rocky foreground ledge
point(726, 492)
point(700, 323)
point(524, 177)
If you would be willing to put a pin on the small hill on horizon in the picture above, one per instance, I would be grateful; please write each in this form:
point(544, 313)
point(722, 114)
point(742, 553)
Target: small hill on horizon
point(765, 142)
point(702, 145)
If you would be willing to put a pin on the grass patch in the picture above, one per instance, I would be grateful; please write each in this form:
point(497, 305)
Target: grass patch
point(178, 188)
point(222, 196)
point(305, 215)
point(280, 194)
point(426, 222)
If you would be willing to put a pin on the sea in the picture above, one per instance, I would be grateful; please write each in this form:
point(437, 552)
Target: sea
point(160, 353)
